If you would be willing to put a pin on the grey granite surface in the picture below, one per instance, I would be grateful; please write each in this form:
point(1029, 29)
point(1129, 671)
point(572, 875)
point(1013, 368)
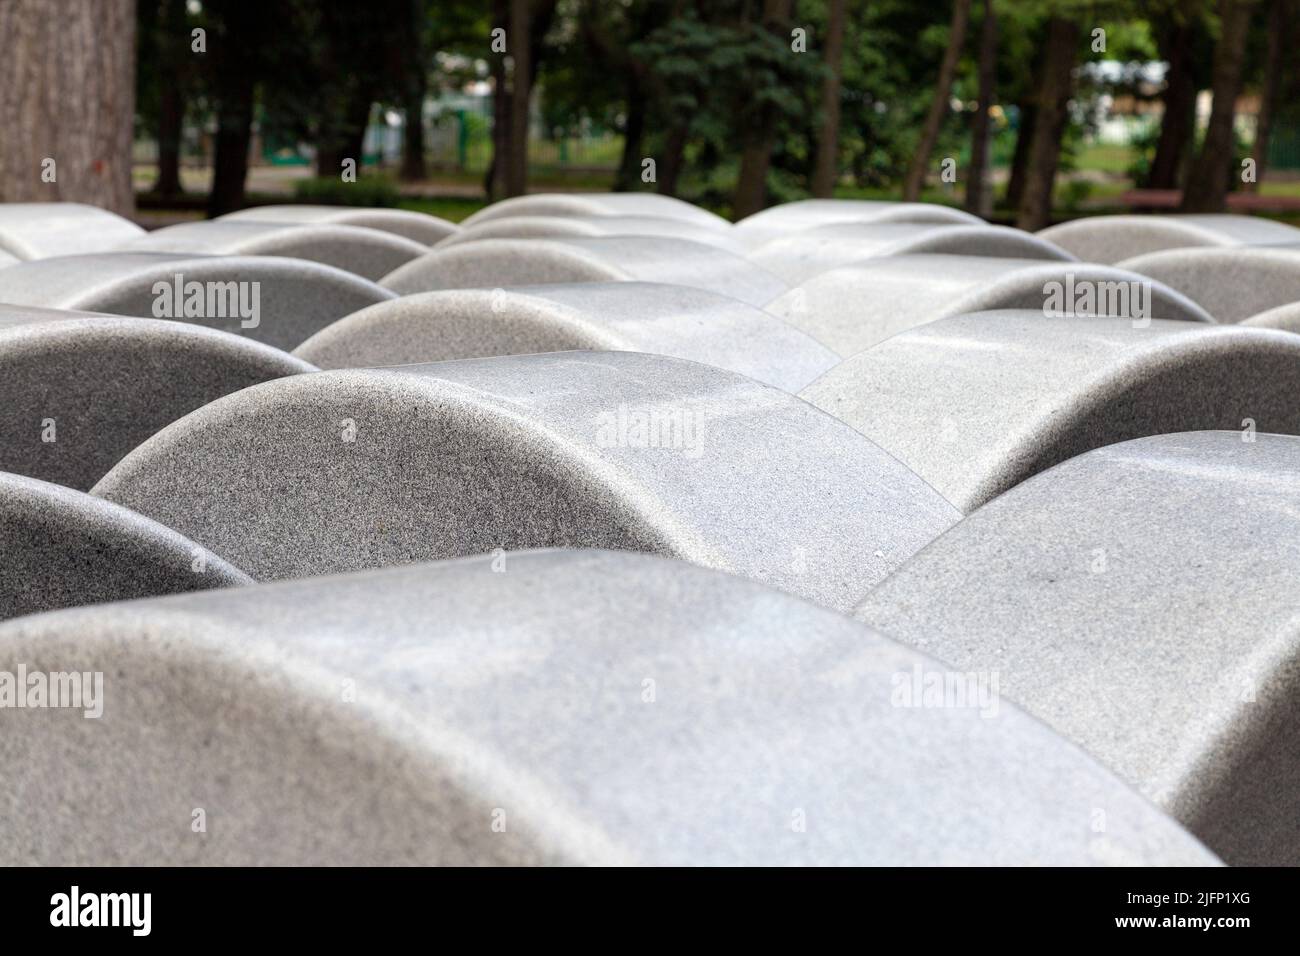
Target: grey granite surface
point(345, 470)
point(852, 308)
point(369, 253)
point(556, 227)
point(627, 316)
point(38, 230)
point(1141, 599)
point(293, 299)
point(400, 222)
point(1111, 239)
point(61, 548)
point(538, 708)
point(597, 204)
point(1231, 284)
point(79, 390)
point(493, 263)
point(977, 403)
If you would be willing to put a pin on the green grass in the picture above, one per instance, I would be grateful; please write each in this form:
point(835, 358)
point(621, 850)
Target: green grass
point(451, 208)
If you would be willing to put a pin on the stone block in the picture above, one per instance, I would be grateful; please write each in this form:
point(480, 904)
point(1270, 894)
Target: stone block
point(346, 470)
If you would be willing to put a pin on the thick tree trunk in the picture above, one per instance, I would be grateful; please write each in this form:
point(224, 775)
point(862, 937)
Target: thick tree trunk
point(1280, 17)
point(516, 179)
point(344, 136)
point(1207, 181)
point(629, 166)
point(939, 105)
point(495, 181)
point(67, 94)
point(175, 45)
point(1028, 112)
point(1035, 208)
point(415, 85)
point(234, 136)
point(827, 164)
point(756, 151)
point(1179, 120)
point(978, 194)
point(670, 167)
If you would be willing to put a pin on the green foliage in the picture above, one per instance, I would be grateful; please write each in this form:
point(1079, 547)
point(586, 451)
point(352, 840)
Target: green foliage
point(332, 191)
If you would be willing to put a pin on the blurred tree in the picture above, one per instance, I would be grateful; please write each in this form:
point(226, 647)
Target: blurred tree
point(67, 96)
point(1034, 210)
point(1215, 164)
point(1181, 41)
point(939, 105)
point(758, 135)
point(826, 170)
point(1280, 30)
point(979, 198)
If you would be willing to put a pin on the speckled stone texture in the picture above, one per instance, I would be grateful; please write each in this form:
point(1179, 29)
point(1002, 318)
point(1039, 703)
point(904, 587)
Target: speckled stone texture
point(296, 298)
point(1284, 317)
point(80, 390)
point(855, 307)
point(552, 227)
point(369, 253)
point(597, 204)
point(505, 262)
point(60, 548)
point(544, 708)
point(346, 470)
point(625, 316)
point(38, 230)
point(1231, 284)
point(798, 257)
point(978, 403)
point(1111, 239)
point(792, 217)
point(1141, 599)
point(400, 222)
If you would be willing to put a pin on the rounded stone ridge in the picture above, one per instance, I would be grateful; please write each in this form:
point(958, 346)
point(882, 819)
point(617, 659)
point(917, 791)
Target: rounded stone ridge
point(597, 204)
point(672, 320)
point(275, 300)
point(80, 390)
point(976, 404)
point(1112, 239)
point(1231, 284)
point(1140, 598)
point(38, 230)
point(346, 470)
point(400, 222)
point(369, 253)
point(60, 548)
point(493, 263)
point(410, 716)
point(854, 307)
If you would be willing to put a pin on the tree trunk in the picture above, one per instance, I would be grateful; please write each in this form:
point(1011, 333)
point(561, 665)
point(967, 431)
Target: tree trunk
point(520, 41)
point(495, 181)
point(1207, 181)
point(827, 164)
point(670, 169)
point(67, 94)
point(978, 194)
point(1035, 208)
point(629, 167)
point(1278, 21)
point(1178, 123)
point(415, 85)
point(234, 136)
point(939, 105)
point(171, 97)
point(756, 152)
point(1028, 112)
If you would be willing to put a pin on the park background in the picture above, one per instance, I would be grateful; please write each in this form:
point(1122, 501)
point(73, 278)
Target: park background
point(1039, 110)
